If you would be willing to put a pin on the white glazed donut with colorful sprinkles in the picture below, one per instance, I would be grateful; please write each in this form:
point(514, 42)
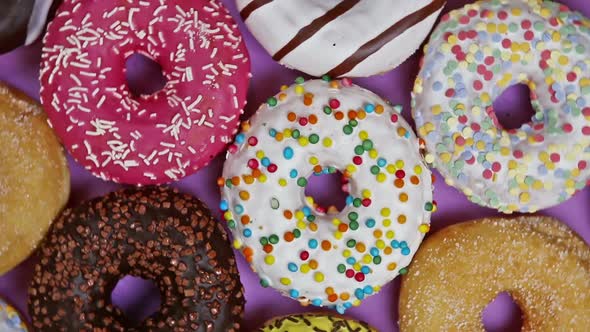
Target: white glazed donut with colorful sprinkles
point(473, 56)
point(10, 319)
point(315, 127)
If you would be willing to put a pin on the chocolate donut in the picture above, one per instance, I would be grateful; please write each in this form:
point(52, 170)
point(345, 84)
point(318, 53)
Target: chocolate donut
point(23, 21)
point(155, 233)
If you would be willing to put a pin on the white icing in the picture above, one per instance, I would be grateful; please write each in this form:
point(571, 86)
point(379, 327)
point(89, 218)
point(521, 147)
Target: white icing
point(394, 142)
point(549, 171)
point(340, 38)
point(38, 20)
point(285, 24)
point(390, 56)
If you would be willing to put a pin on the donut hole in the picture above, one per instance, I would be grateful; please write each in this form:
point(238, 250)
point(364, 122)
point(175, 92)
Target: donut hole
point(502, 315)
point(513, 108)
point(326, 189)
point(144, 75)
point(137, 298)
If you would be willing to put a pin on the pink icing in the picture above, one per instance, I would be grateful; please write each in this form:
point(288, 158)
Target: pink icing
point(148, 139)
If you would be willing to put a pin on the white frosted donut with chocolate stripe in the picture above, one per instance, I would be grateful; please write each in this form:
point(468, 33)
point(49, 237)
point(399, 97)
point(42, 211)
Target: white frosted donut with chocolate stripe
point(23, 21)
point(354, 38)
point(38, 19)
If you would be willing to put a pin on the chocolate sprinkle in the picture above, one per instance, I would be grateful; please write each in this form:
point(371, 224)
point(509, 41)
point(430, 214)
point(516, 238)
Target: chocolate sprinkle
point(154, 233)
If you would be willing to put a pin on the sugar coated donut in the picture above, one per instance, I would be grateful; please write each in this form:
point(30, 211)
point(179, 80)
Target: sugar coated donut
point(23, 21)
point(154, 138)
point(340, 38)
point(319, 127)
point(458, 271)
point(10, 319)
point(315, 323)
point(154, 233)
point(473, 56)
point(34, 177)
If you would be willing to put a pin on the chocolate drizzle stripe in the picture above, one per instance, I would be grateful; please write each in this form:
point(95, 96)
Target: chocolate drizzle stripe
point(253, 6)
point(316, 25)
point(374, 45)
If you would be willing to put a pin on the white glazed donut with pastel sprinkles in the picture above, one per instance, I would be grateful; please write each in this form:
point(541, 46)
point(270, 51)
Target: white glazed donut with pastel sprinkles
point(327, 259)
point(10, 319)
point(474, 55)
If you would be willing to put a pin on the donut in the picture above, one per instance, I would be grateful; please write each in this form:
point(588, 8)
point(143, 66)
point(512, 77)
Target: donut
point(23, 21)
point(475, 54)
point(340, 38)
point(11, 319)
point(34, 177)
point(315, 323)
point(155, 233)
point(313, 128)
point(459, 270)
point(144, 139)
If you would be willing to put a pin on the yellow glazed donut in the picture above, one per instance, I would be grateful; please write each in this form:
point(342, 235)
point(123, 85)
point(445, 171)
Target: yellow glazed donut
point(459, 270)
point(315, 323)
point(34, 177)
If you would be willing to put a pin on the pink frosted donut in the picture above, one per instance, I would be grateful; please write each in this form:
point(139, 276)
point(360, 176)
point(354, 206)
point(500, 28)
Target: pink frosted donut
point(154, 138)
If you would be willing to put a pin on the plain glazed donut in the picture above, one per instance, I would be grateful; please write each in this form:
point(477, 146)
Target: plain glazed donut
point(348, 38)
point(459, 270)
point(10, 319)
point(145, 139)
point(154, 233)
point(312, 128)
point(23, 21)
point(474, 55)
point(34, 177)
point(315, 323)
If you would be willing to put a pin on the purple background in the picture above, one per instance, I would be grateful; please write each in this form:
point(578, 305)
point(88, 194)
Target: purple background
point(20, 69)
